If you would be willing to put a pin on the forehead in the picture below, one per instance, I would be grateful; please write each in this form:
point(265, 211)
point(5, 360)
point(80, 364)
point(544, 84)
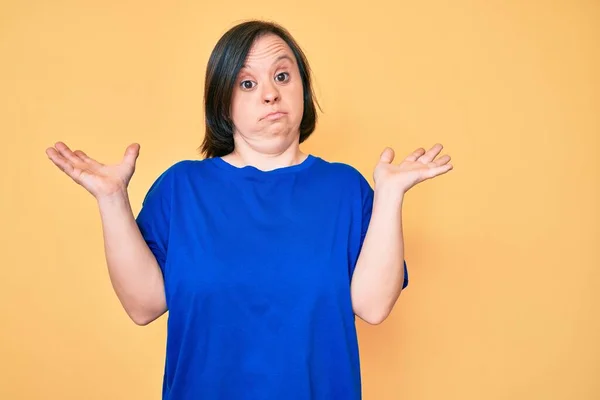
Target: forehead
point(268, 49)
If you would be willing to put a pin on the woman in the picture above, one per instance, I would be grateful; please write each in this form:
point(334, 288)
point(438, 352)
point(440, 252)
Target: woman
point(262, 254)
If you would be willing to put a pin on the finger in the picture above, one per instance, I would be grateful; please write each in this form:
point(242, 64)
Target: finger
point(441, 161)
point(85, 158)
point(387, 156)
point(433, 172)
point(131, 154)
point(415, 154)
point(62, 163)
point(430, 154)
point(64, 151)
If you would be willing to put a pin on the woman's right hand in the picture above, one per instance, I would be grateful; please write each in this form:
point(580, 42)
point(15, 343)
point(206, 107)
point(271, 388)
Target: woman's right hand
point(98, 179)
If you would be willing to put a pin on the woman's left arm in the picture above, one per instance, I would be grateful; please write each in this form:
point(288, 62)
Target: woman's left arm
point(379, 273)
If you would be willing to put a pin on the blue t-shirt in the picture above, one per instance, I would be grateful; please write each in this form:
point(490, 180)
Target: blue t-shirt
point(257, 268)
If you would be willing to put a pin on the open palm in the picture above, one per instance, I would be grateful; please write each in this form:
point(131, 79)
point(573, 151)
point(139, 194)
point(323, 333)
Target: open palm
point(97, 178)
point(420, 165)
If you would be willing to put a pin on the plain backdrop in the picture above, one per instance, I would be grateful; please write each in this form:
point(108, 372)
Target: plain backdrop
point(503, 252)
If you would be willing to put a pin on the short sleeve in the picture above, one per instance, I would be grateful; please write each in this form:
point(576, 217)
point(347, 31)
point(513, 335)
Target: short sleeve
point(367, 195)
point(154, 218)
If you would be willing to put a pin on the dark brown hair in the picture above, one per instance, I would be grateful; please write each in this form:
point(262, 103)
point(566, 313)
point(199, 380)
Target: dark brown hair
point(224, 64)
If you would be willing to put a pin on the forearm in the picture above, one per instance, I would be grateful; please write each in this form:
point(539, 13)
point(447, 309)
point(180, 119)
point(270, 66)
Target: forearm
point(133, 269)
point(379, 273)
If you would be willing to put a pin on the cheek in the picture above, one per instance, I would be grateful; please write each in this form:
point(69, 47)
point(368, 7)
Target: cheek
point(299, 101)
point(240, 113)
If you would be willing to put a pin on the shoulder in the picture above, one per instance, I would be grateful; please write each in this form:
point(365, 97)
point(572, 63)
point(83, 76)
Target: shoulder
point(185, 166)
point(344, 172)
point(167, 180)
point(182, 168)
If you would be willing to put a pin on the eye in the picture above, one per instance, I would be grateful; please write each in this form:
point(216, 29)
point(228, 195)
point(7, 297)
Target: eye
point(282, 77)
point(246, 84)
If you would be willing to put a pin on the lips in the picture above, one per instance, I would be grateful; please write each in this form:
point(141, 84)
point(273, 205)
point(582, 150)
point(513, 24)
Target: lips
point(274, 115)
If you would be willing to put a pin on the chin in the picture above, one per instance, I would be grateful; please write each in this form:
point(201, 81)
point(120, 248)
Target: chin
point(277, 130)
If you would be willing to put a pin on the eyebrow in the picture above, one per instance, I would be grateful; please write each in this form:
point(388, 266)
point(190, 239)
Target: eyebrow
point(281, 57)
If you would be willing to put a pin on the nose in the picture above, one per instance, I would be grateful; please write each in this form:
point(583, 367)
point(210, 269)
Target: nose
point(270, 93)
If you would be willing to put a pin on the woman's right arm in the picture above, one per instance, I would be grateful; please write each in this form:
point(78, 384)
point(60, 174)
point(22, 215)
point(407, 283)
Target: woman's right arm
point(133, 269)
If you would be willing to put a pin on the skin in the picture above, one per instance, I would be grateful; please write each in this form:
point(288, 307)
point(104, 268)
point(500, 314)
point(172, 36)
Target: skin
point(270, 81)
point(379, 273)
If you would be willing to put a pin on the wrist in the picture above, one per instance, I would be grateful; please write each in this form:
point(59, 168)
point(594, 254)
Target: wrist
point(388, 194)
point(117, 197)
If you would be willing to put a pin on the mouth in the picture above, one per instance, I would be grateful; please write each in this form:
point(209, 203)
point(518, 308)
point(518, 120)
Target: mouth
point(274, 115)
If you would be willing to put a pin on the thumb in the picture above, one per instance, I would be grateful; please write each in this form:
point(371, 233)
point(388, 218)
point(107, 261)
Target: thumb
point(131, 154)
point(387, 156)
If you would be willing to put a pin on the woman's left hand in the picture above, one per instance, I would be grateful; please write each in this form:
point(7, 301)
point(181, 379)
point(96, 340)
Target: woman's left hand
point(420, 165)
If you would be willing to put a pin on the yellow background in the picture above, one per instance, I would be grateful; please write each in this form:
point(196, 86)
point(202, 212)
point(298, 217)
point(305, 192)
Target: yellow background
point(503, 256)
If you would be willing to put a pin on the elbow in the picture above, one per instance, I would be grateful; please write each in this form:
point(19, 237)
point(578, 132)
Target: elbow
point(372, 312)
point(143, 313)
point(372, 316)
point(141, 321)
point(144, 318)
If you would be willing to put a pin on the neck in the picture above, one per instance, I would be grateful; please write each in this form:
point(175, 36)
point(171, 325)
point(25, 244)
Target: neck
point(263, 158)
